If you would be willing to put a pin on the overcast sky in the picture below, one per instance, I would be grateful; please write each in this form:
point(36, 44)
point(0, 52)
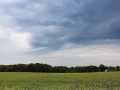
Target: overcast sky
point(60, 32)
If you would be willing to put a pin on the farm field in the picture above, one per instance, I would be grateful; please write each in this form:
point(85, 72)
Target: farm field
point(59, 81)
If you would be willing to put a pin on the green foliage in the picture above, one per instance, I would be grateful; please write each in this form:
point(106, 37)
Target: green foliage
point(59, 81)
point(39, 67)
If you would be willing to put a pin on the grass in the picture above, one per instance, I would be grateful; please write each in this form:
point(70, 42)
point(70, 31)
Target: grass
point(59, 81)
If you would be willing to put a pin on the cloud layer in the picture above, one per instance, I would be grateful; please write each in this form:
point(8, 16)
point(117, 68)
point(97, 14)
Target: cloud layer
point(41, 27)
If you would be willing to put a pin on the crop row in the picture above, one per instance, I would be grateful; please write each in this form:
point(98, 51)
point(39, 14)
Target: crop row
point(59, 81)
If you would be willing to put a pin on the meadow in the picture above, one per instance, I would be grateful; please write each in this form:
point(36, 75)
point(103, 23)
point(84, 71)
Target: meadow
point(59, 81)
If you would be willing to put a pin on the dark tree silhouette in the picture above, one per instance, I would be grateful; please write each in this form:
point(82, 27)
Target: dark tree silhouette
point(39, 67)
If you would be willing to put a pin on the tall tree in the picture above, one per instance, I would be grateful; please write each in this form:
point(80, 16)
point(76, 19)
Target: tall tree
point(102, 67)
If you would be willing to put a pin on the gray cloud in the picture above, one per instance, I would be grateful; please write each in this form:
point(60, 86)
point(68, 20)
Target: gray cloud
point(60, 32)
point(75, 21)
point(85, 24)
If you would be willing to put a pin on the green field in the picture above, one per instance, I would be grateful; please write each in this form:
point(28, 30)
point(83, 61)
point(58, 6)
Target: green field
point(59, 81)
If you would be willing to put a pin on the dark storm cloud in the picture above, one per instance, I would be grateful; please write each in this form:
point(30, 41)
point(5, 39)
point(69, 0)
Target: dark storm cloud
point(80, 21)
point(86, 23)
point(115, 30)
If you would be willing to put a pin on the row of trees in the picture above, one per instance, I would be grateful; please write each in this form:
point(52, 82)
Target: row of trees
point(39, 67)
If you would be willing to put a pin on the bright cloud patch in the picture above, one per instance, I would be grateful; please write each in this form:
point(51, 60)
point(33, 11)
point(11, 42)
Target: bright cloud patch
point(13, 40)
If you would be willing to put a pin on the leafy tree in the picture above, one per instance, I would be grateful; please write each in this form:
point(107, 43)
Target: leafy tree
point(118, 68)
point(102, 67)
point(39, 67)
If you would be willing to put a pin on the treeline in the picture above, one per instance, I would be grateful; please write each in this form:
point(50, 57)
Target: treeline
point(39, 67)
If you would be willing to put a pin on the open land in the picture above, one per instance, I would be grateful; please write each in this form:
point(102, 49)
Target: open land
point(59, 81)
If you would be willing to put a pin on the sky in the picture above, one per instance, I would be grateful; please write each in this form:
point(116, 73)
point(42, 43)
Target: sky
point(60, 32)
